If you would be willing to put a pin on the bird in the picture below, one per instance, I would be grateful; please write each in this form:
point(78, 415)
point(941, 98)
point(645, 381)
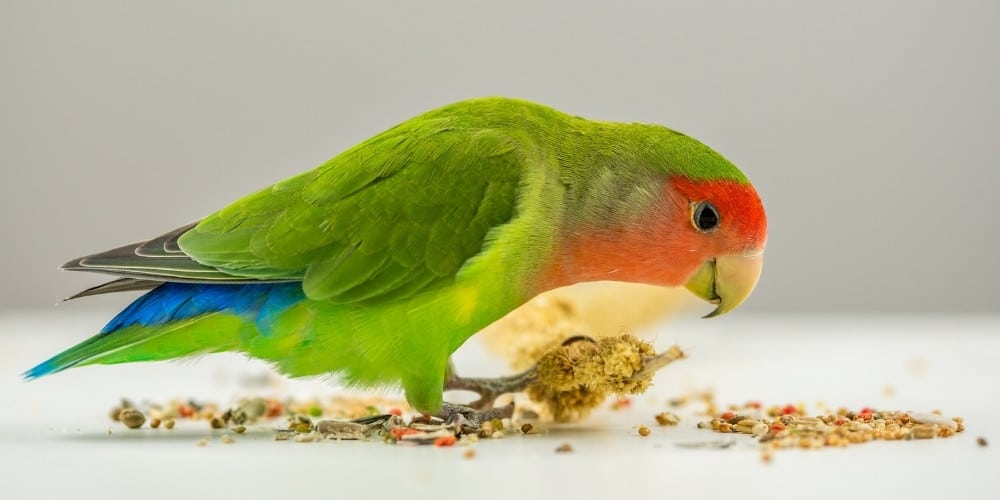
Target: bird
point(378, 264)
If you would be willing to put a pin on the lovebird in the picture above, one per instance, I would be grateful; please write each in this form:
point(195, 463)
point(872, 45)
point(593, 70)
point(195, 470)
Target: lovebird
point(378, 264)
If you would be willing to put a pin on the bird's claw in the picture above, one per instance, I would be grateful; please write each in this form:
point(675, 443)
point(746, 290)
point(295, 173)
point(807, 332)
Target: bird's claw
point(465, 416)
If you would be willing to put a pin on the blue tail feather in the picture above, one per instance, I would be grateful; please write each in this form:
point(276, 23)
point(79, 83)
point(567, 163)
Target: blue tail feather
point(176, 301)
point(172, 302)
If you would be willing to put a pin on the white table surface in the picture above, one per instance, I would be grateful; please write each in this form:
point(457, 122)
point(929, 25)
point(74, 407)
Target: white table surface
point(55, 441)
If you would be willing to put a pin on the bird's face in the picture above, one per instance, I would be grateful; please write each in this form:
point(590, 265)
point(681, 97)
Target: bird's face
point(706, 235)
point(722, 229)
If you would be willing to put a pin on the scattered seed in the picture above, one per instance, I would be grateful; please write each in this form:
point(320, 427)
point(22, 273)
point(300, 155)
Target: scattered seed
point(486, 429)
point(239, 429)
point(132, 418)
point(169, 424)
point(399, 432)
point(667, 418)
point(644, 431)
point(315, 411)
point(154, 423)
point(305, 438)
point(217, 423)
point(925, 431)
point(202, 442)
point(226, 439)
point(933, 418)
point(527, 429)
point(790, 427)
point(564, 448)
point(445, 441)
point(185, 411)
point(469, 454)
point(302, 428)
point(621, 403)
point(981, 441)
point(336, 429)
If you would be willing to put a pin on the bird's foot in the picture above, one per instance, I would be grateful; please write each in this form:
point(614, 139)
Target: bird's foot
point(464, 416)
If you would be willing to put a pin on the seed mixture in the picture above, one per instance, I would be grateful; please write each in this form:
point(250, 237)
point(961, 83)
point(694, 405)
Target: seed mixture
point(339, 418)
point(791, 426)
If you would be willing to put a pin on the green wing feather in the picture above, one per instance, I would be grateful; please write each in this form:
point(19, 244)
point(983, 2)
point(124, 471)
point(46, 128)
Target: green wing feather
point(394, 216)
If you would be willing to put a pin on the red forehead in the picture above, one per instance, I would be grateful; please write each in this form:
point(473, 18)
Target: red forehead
point(742, 218)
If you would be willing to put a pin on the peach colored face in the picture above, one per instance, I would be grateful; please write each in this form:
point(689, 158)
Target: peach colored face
point(706, 235)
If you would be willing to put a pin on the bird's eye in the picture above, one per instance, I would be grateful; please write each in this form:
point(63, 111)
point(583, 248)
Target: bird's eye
point(705, 217)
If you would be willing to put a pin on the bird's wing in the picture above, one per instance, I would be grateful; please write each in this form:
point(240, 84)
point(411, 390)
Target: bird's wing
point(393, 216)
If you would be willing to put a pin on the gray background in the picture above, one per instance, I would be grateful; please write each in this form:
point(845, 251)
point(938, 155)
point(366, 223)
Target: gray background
point(867, 127)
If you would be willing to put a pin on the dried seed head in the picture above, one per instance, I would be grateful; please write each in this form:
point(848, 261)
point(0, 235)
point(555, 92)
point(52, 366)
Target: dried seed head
point(574, 379)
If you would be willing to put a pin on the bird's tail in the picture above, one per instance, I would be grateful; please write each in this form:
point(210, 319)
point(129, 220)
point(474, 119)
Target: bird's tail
point(180, 319)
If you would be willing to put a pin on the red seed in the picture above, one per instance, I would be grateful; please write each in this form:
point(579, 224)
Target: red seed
point(866, 410)
point(727, 415)
point(399, 432)
point(777, 427)
point(274, 408)
point(840, 421)
point(185, 411)
point(396, 411)
point(788, 410)
point(621, 403)
point(445, 441)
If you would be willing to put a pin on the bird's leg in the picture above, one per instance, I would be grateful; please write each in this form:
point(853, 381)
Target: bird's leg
point(489, 389)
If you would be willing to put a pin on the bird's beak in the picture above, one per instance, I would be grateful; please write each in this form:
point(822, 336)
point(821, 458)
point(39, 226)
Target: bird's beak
point(726, 281)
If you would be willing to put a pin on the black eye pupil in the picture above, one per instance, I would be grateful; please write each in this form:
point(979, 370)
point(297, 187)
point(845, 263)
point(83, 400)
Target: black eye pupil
point(706, 217)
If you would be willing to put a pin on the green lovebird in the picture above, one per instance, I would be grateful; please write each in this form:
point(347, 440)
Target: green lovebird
point(377, 265)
